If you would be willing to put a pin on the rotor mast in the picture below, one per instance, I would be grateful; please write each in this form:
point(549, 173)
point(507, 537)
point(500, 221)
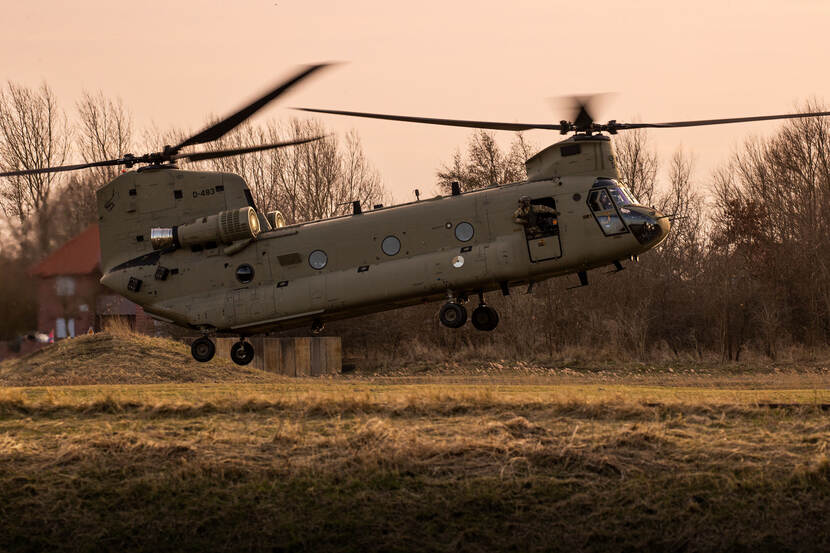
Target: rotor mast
point(583, 154)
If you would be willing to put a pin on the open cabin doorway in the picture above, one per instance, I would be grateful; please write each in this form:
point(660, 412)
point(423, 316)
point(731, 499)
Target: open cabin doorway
point(542, 230)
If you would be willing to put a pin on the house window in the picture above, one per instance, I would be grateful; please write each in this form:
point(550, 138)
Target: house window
point(65, 286)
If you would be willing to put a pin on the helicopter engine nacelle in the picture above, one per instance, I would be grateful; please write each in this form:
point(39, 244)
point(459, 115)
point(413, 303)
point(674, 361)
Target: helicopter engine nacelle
point(226, 227)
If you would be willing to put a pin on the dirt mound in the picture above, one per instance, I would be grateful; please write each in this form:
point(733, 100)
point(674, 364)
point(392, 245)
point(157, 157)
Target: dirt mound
point(120, 358)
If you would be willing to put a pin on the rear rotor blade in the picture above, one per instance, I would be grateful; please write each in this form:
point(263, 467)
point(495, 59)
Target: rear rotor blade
point(702, 122)
point(449, 122)
point(201, 156)
point(224, 126)
point(62, 168)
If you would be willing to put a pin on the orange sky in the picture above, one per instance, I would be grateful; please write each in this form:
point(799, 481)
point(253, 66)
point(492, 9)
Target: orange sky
point(177, 62)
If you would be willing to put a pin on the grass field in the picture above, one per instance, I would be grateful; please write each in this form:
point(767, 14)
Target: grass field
point(435, 464)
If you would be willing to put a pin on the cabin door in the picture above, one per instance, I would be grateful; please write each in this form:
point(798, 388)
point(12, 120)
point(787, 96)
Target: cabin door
point(542, 230)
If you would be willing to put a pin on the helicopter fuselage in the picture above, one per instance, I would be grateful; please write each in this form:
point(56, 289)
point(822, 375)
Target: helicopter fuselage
point(445, 247)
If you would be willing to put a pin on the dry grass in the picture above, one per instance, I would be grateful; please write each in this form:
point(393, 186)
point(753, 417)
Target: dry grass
point(414, 356)
point(119, 356)
point(380, 465)
point(579, 364)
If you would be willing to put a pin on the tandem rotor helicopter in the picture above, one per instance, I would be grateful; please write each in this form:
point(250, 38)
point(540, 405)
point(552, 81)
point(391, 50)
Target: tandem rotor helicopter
point(192, 249)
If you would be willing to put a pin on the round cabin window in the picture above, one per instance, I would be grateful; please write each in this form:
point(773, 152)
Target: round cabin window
point(318, 259)
point(464, 232)
point(390, 245)
point(245, 273)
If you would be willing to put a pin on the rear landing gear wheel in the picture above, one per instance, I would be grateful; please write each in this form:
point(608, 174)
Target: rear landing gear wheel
point(202, 349)
point(453, 315)
point(317, 326)
point(242, 353)
point(485, 318)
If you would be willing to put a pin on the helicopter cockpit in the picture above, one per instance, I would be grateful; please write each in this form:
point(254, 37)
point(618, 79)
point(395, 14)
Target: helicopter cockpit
point(617, 211)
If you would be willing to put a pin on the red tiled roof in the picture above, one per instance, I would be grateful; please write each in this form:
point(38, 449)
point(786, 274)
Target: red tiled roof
point(79, 256)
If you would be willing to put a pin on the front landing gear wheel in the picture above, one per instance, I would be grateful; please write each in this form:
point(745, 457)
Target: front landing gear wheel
point(453, 315)
point(242, 353)
point(485, 318)
point(202, 349)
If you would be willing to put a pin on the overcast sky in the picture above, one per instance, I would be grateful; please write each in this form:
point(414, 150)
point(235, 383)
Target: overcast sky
point(174, 63)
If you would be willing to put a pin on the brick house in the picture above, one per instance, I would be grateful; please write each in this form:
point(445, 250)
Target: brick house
point(71, 301)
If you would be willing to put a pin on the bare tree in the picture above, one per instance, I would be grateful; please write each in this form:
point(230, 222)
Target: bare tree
point(485, 164)
point(319, 174)
point(34, 133)
point(636, 164)
point(306, 182)
point(105, 133)
point(455, 171)
point(683, 204)
point(254, 168)
point(317, 179)
point(360, 181)
point(771, 223)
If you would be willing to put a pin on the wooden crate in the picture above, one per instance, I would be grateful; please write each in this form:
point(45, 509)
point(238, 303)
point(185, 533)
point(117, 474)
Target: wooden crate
point(305, 356)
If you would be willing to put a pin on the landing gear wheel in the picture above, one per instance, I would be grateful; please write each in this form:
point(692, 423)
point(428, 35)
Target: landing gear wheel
point(453, 315)
point(317, 326)
point(202, 349)
point(485, 318)
point(242, 353)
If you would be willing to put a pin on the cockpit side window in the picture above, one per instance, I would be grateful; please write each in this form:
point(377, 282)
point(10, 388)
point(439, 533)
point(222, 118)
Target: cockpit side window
point(600, 201)
point(605, 212)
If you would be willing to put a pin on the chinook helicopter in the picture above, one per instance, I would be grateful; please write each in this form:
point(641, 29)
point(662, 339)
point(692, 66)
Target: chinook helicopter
point(192, 249)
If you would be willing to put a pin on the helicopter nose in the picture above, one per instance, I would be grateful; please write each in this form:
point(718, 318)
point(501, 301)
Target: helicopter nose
point(649, 226)
point(665, 226)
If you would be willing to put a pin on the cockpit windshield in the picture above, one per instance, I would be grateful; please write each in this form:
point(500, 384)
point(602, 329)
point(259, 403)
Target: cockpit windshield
point(621, 195)
point(608, 200)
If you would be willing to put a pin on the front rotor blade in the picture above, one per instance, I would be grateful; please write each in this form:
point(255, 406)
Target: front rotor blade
point(221, 128)
point(201, 156)
point(702, 122)
point(449, 122)
point(62, 168)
